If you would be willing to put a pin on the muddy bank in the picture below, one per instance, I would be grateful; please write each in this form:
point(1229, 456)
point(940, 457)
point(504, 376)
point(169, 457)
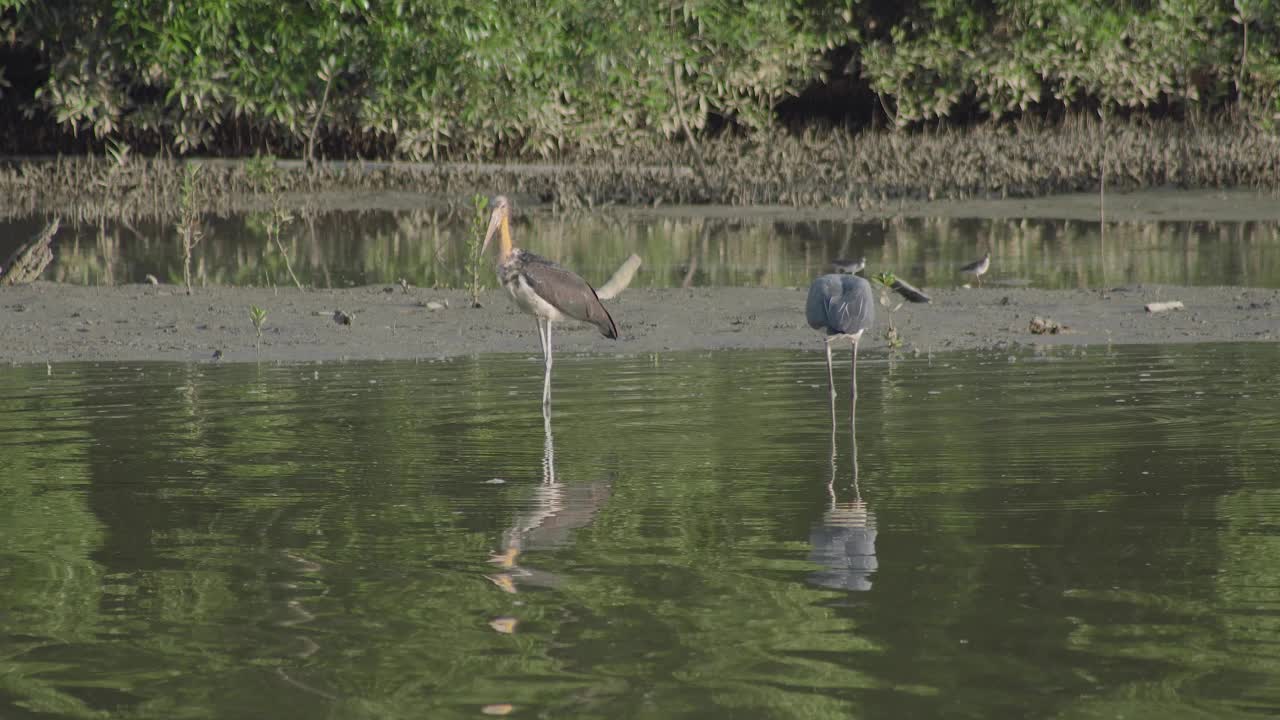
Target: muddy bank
point(48, 322)
point(871, 173)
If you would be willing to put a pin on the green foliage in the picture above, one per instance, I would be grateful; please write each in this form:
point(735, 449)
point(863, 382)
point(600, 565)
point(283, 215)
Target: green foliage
point(885, 278)
point(475, 239)
point(1013, 55)
point(538, 78)
point(424, 77)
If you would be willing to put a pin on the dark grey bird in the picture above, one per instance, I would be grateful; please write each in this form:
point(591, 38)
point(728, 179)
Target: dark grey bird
point(978, 267)
point(850, 267)
point(841, 307)
point(543, 289)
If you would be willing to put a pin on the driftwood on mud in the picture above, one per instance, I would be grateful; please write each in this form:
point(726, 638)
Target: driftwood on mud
point(31, 258)
point(909, 291)
point(1157, 307)
point(621, 278)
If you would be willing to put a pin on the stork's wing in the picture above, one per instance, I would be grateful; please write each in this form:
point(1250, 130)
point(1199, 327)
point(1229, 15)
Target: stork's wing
point(568, 293)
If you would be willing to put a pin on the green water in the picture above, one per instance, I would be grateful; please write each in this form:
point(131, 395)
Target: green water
point(337, 249)
point(1072, 535)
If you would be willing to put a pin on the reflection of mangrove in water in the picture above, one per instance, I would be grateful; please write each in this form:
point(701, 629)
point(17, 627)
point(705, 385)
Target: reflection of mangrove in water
point(844, 542)
point(555, 512)
point(427, 248)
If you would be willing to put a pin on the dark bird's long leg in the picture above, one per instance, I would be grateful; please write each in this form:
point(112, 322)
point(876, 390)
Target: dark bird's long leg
point(853, 382)
point(831, 378)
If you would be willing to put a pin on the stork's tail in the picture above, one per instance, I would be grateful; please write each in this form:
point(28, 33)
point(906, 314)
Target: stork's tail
point(607, 326)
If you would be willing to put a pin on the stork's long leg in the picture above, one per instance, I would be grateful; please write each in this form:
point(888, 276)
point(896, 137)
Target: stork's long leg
point(546, 380)
point(542, 337)
point(548, 449)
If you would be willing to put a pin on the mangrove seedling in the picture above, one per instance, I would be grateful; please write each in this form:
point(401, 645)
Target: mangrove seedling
point(189, 226)
point(886, 280)
point(479, 222)
point(258, 316)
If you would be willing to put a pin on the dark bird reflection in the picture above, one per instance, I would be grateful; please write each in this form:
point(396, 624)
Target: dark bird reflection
point(556, 511)
point(844, 542)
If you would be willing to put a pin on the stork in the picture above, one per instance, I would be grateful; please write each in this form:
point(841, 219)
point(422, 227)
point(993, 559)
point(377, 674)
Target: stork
point(841, 307)
point(543, 289)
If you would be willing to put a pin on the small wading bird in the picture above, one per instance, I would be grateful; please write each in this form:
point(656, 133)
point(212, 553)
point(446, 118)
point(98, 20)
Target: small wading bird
point(842, 308)
point(543, 289)
point(850, 267)
point(978, 267)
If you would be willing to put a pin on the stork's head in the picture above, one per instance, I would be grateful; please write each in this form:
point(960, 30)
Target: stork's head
point(499, 224)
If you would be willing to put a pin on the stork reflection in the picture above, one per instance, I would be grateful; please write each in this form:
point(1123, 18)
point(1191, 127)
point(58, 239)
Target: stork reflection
point(555, 512)
point(844, 542)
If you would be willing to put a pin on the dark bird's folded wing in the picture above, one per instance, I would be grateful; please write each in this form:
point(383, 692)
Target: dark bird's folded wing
point(840, 304)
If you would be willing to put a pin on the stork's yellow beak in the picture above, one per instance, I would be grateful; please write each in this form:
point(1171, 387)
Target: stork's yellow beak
point(501, 211)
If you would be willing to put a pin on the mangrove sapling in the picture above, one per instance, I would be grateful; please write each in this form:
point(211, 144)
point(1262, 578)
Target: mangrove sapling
point(189, 226)
point(479, 221)
point(275, 223)
point(885, 280)
point(258, 316)
point(264, 174)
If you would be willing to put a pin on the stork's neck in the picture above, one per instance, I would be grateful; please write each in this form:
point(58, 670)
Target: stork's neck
point(504, 241)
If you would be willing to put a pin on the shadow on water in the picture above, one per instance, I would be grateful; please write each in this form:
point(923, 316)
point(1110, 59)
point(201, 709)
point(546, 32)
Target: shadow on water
point(1060, 534)
point(427, 248)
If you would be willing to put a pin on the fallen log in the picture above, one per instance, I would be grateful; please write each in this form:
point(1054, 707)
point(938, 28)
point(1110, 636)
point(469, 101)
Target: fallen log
point(31, 258)
point(909, 291)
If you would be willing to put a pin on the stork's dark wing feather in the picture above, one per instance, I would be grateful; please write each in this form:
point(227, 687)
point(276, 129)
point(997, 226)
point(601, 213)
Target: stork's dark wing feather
point(568, 293)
